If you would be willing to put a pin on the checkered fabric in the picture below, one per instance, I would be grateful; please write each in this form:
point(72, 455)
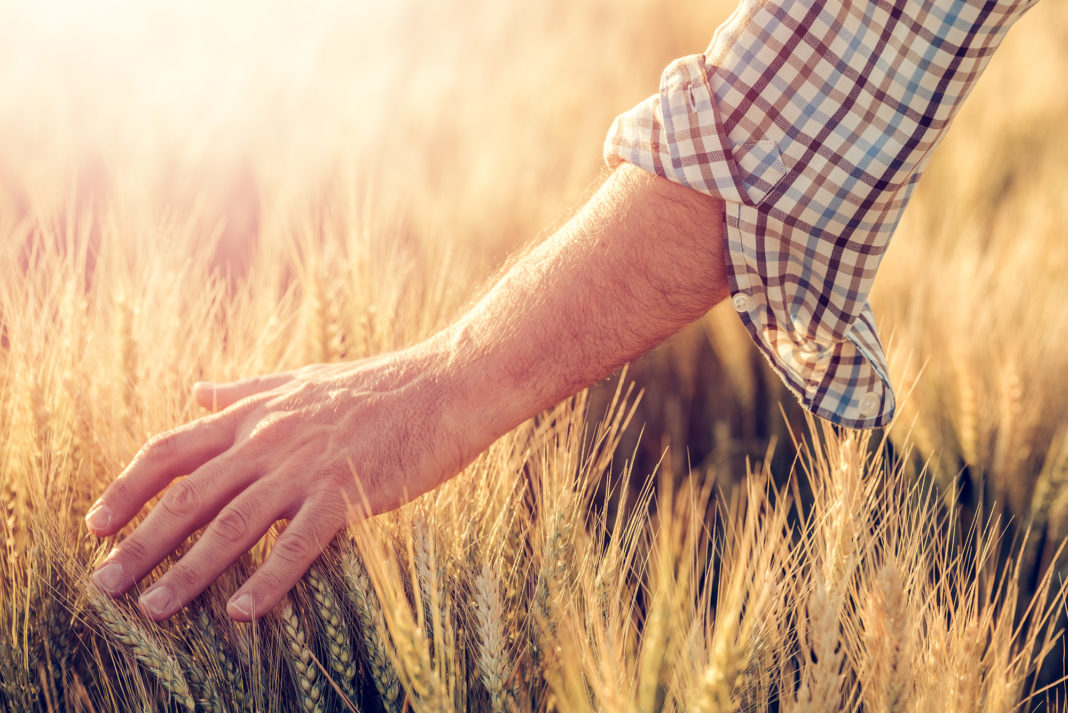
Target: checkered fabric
point(813, 120)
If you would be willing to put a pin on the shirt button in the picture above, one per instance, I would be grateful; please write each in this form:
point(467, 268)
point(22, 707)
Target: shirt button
point(742, 302)
point(869, 404)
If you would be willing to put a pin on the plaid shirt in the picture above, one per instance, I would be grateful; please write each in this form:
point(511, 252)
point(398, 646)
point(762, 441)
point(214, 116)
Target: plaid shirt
point(813, 120)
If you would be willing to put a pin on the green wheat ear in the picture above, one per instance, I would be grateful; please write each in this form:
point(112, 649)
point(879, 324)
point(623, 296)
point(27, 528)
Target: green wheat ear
point(145, 647)
point(336, 630)
point(300, 658)
point(372, 626)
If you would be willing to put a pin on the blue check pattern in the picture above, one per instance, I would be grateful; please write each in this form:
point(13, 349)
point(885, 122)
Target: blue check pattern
point(813, 120)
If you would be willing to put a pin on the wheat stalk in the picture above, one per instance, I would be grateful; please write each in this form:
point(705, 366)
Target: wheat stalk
point(128, 358)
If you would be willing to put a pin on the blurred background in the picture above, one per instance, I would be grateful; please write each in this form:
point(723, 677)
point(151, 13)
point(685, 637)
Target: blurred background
point(478, 125)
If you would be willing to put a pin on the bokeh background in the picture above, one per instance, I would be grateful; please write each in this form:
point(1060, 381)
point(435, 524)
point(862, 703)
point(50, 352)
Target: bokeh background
point(479, 125)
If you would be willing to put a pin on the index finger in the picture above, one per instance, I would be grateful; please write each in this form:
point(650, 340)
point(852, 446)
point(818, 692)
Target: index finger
point(161, 460)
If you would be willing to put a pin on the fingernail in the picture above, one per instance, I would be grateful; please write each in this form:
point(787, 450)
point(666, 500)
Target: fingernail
point(241, 604)
point(99, 516)
point(157, 600)
point(110, 577)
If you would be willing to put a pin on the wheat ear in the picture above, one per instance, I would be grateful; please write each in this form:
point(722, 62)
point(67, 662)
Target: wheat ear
point(339, 642)
point(361, 595)
point(719, 684)
point(300, 658)
point(235, 679)
point(822, 681)
point(492, 655)
point(413, 653)
point(548, 593)
point(145, 647)
point(206, 695)
point(886, 678)
point(16, 687)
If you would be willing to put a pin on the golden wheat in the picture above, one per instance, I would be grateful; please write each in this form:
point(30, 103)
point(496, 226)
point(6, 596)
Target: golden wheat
point(689, 562)
point(493, 656)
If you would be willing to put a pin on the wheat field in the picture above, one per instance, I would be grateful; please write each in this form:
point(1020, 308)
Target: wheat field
point(214, 191)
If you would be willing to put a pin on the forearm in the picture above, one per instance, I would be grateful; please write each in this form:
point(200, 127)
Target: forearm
point(640, 260)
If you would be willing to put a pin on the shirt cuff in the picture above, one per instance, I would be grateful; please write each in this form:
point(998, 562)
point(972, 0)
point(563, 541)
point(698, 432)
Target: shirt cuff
point(813, 121)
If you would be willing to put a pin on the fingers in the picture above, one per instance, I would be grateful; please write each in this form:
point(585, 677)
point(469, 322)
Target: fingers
point(216, 397)
point(160, 461)
point(237, 527)
point(188, 505)
point(293, 552)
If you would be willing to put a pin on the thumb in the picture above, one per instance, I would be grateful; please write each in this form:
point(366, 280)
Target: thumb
point(216, 397)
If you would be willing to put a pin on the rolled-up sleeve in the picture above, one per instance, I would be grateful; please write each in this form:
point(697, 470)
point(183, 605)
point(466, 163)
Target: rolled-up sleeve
point(813, 121)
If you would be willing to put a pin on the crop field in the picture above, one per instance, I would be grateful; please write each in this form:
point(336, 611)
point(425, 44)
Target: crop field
point(208, 191)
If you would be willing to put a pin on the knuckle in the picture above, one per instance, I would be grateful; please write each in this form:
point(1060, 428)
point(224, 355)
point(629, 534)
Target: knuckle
point(161, 446)
point(226, 421)
point(272, 430)
point(120, 492)
point(218, 428)
point(133, 550)
point(267, 582)
point(265, 426)
point(215, 470)
point(294, 547)
point(184, 580)
point(337, 476)
point(232, 523)
point(332, 507)
point(182, 500)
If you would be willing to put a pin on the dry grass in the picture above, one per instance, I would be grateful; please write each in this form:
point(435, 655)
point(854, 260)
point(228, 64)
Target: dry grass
point(252, 220)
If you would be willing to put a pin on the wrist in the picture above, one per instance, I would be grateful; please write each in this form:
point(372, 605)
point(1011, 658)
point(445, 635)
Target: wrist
point(482, 399)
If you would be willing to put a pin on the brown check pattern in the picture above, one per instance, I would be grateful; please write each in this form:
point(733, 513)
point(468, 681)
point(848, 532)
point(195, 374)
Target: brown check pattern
point(813, 120)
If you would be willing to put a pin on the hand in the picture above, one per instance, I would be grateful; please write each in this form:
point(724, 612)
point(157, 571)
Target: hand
point(311, 446)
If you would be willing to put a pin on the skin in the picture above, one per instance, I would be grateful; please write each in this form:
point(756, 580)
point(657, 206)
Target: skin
point(325, 445)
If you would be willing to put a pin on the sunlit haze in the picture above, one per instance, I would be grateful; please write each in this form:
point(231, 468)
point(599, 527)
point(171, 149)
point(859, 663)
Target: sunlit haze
point(256, 104)
point(150, 77)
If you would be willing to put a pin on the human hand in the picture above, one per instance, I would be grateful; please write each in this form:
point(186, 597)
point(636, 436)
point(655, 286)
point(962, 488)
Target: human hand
point(307, 446)
point(642, 259)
